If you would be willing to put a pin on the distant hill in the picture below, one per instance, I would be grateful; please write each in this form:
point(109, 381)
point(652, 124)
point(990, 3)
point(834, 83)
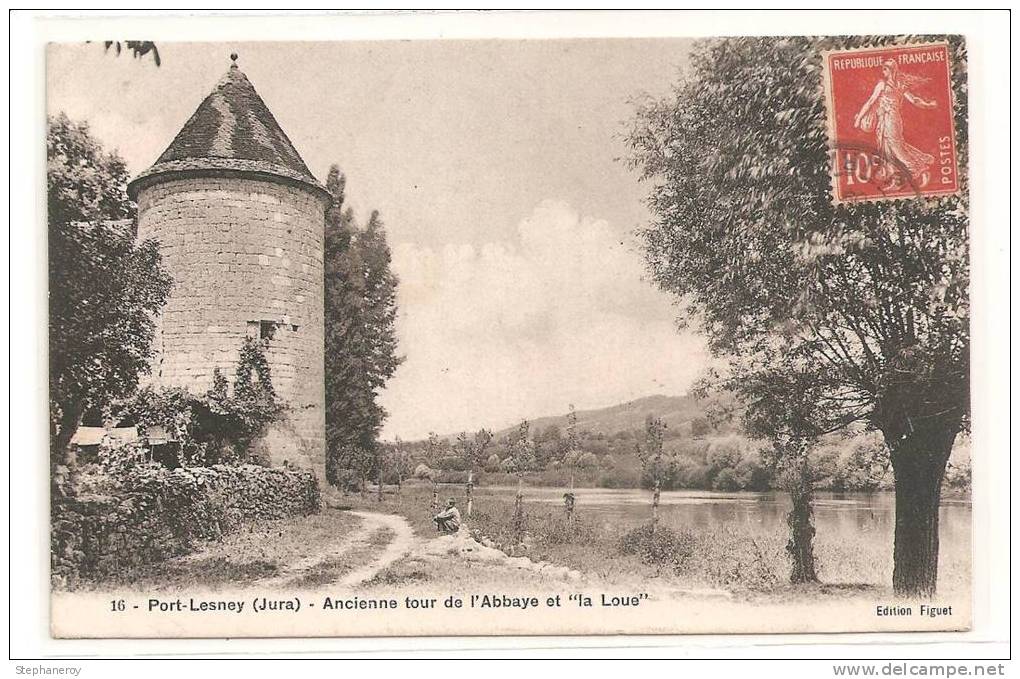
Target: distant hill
point(677, 411)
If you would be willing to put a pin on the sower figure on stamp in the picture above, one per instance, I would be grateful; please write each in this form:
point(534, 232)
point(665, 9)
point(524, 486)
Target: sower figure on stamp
point(448, 521)
point(885, 104)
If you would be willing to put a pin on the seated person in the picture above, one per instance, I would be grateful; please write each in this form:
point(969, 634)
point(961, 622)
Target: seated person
point(448, 520)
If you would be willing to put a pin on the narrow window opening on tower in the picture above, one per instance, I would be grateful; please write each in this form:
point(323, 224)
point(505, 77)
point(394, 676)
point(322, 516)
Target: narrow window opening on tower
point(267, 329)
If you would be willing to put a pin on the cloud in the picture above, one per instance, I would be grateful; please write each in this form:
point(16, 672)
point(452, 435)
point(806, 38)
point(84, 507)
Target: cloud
point(557, 315)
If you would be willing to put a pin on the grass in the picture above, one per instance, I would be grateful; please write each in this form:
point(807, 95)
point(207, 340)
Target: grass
point(243, 557)
point(332, 569)
point(413, 502)
point(741, 558)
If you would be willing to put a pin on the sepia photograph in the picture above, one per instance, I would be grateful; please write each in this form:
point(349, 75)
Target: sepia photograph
point(510, 337)
point(613, 337)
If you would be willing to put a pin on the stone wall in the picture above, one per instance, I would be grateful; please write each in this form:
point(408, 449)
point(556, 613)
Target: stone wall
point(246, 257)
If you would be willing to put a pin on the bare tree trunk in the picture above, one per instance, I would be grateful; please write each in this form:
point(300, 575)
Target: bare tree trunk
point(378, 494)
point(518, 521)
point(919, 465)
point(655, 502)
point(435, 497)
point(470, 486)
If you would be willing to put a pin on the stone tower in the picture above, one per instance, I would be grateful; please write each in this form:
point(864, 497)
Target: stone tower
point(240, 220)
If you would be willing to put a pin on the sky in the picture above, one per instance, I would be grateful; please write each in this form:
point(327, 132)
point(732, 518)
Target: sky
point(497, 167)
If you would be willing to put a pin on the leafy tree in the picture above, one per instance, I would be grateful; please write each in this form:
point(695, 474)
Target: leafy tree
point(105, 287)
point(137, 48)
point(435, 449)
point(472, 449)
point(865, 304)
point(573, 436)
point(657, 466)
point(398, 461)
point(521, 450)
point(360, 335)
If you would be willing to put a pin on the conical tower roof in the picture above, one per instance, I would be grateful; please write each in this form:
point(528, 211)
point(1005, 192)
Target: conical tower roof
point(232, 131)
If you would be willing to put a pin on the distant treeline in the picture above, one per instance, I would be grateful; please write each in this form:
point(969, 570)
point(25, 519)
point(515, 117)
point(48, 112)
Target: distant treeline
point(700, 457)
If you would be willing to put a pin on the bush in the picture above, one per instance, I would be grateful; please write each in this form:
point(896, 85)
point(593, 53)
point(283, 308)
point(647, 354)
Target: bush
point(721, 557)
point(150, 513)
point(544, 526)
point(619, 478)
point(459, 477)
point(214, 428)
point(423, 471)
point(726, 480)
point(660, 546)
point(452, 464)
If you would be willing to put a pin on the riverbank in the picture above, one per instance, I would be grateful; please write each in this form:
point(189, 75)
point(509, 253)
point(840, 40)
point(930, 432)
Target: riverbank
point(734, 553)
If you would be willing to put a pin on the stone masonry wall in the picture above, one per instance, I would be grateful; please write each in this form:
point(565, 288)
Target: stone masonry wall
point(246, 257)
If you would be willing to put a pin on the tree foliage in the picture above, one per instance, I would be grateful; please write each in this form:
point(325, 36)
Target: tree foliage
point(831, 314)
point(105, 287)
point(218, 427)
point(656, 465)
point(520, 450)
point(360, 334)
point(137, 48)
point(473, 450)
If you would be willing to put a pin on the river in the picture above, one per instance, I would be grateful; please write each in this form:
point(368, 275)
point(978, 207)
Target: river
point(835, 513)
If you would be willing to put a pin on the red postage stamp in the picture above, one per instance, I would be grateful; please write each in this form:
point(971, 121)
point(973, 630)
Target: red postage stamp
point(890, 119)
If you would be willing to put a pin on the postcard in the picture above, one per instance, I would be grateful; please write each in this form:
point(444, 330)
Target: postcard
point(509, 337)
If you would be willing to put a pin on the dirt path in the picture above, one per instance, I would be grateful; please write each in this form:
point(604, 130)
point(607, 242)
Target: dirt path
point(400, 545)
point(354, 560)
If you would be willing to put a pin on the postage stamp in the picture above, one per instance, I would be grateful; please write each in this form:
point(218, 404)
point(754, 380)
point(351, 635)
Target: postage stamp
point(890, 122)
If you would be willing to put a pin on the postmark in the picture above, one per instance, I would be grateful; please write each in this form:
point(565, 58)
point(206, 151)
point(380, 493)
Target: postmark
point(890, 122)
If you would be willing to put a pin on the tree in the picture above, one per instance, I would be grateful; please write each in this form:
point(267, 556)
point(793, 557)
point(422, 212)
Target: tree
point(521, 450)
point(398, 460)
point(434, 450)
point(520, 460)
point(655, 464)
point(866, 302)
point(573, 438)
point(360, 335)
point(105, 287)
point(138, 48)
point(472, 449)
point(788, 458)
